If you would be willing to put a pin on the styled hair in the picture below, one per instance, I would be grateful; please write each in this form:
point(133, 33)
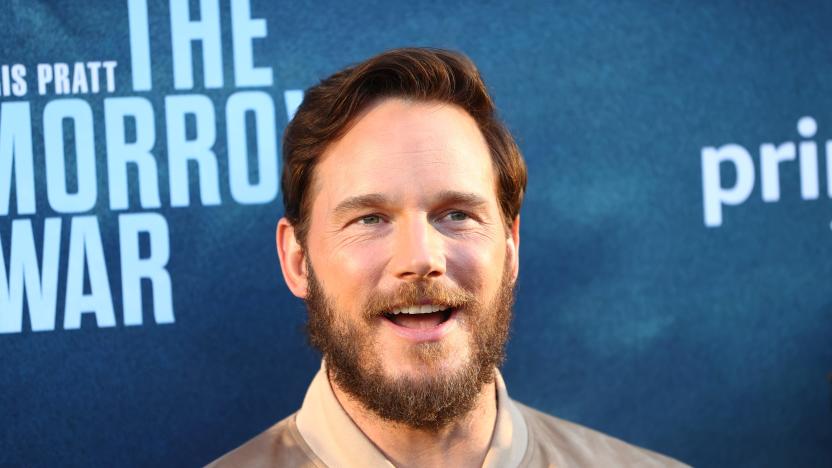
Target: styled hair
point(330, 108)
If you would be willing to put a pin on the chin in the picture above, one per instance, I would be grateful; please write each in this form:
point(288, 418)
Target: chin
point(424, 361)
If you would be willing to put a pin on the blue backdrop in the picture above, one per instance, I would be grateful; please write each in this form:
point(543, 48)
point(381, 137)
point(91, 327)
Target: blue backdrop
point(674, 287)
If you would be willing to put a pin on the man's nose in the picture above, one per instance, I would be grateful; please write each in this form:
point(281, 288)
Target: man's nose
point(418, 250)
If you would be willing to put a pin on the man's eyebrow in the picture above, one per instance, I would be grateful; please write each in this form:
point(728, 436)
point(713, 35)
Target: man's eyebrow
point(453, 197)
point(359, 202)
point(377, 200)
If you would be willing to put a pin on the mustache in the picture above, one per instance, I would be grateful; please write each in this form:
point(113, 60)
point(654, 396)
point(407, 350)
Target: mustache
point(406, 294)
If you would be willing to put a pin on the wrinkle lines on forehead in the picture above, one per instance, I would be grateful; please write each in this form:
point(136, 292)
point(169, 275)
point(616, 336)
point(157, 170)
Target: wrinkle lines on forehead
point(394, 126)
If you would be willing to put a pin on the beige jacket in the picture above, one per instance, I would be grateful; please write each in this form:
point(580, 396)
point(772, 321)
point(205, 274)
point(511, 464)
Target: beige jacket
point(321, 434)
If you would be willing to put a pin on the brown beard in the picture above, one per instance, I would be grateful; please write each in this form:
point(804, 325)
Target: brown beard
point(429, 403)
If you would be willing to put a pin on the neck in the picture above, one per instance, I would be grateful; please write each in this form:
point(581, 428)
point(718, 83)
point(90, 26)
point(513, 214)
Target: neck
point(462, 443)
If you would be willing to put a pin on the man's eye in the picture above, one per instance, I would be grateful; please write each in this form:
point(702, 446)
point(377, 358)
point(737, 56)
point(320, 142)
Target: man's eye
point(369, 219)
point(457, 216)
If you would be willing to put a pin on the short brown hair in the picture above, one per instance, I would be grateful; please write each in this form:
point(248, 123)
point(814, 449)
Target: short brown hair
point(330, 108)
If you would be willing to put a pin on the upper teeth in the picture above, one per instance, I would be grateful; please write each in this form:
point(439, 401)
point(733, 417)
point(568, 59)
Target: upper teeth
point(418, 309)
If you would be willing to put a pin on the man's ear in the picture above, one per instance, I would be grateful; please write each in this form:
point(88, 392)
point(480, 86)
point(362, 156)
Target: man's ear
point(513, 243)
point(292, 259)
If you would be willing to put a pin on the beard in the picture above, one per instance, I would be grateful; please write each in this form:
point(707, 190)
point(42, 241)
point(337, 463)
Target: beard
point(435, 399)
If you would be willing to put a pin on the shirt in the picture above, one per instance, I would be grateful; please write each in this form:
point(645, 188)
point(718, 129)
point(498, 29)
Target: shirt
point(321, 434)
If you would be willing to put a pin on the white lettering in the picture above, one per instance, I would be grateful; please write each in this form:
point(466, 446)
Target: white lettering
point(19, 88)
point(244, 29)
point(809, 175)
point(16, 155)
point(59, 198)
point(770, 158)
point(184, 31)
point(79, 79)
point(139, 44)
point(153, 267)
point(714, 194)
point(24, 275)
point(120, 152)
point(44, 77)
point(262, 106)
point(293, 99)
point(181, 149)
point(86, 255)
point(61, 78)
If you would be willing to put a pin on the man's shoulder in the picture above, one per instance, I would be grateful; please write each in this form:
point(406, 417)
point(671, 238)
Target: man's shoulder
point(279, 445)
point(554, 441)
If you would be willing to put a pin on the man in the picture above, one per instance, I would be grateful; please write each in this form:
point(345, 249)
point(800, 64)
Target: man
point(402, 195)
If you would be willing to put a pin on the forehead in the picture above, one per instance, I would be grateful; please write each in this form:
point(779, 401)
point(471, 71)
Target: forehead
point(406, 149)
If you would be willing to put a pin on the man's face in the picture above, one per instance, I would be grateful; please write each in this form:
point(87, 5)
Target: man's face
point(410, 264)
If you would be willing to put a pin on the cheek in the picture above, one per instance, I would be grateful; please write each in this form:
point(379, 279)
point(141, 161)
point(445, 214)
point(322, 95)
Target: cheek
point(476, 267)
point(357, 266)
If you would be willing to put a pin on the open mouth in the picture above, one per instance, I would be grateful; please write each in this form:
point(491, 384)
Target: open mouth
point(418, 317)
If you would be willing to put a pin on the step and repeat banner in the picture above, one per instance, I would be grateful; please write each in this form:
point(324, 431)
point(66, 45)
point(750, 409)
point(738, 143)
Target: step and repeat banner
point(676, 238)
